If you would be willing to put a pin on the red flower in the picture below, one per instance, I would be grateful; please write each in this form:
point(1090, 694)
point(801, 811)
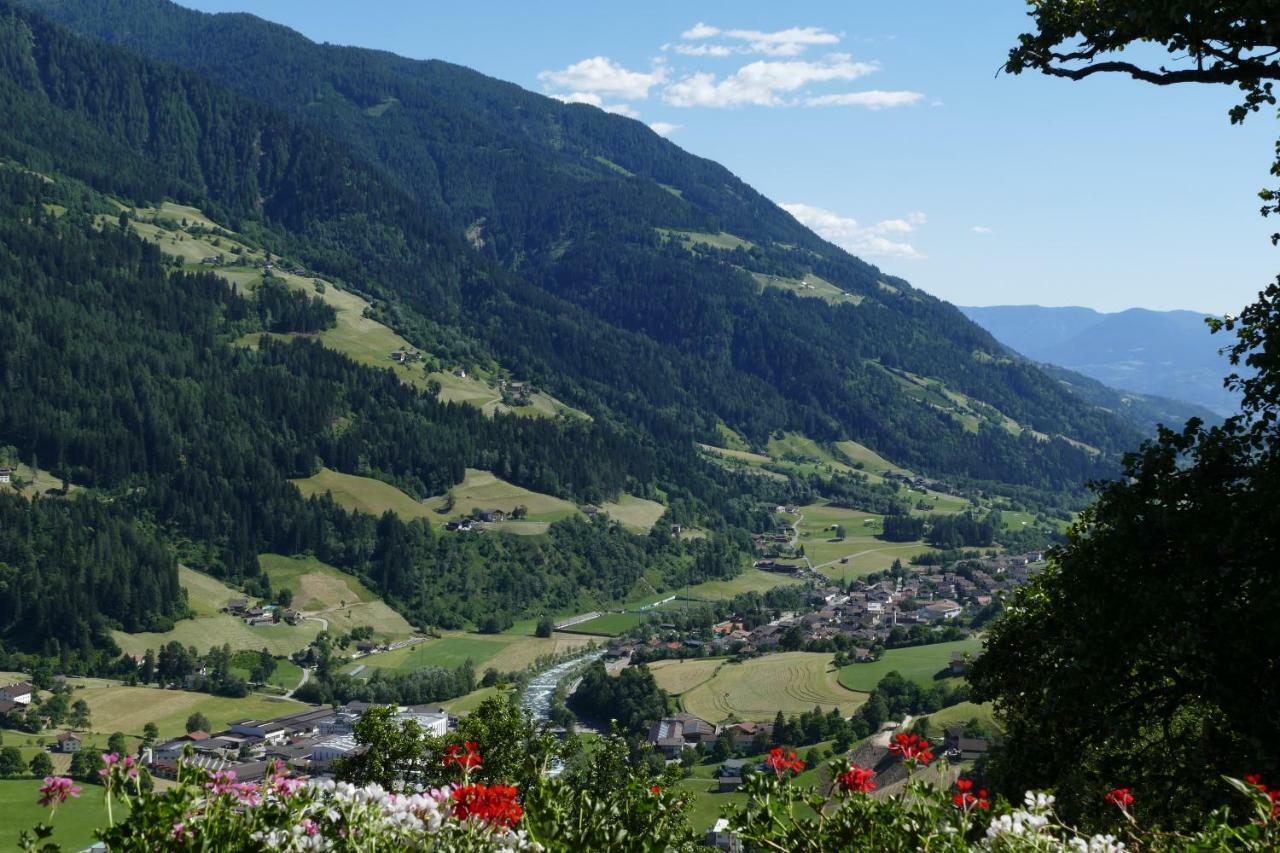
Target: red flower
point(655, 790)
point(911, 748)
point(1274, 796)
point(453, 754)
point(1255, 779)
point(495, 804)
point(781, 761)
point(965, 801)
point(1120, 798)
point(857, 780)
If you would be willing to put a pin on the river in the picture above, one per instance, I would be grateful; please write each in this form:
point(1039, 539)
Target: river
point(537, 696)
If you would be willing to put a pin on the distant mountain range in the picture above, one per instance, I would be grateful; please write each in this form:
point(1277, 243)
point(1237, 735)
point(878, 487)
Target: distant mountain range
point(1165, 353)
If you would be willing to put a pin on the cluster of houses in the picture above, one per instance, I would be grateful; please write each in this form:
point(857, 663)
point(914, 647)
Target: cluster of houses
point(7, 474)
point(671, 736)
point(516, 393)
point(479, 516)
point(308, 742)
point(261, 614)
point(921, 483)
point(406, 355)
point(865, 613)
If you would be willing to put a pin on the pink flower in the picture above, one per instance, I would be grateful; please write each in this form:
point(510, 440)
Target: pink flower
point(247, 793)
point(179, 832)
point(309, 826)
point(56, 790)
point(222, 782)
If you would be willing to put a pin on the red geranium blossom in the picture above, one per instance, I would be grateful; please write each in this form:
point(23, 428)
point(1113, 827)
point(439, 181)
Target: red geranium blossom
point(964, 801)
point(466, 760)
point(495, 804)
point(1120, 798)
point(783, 760)
point(911, 748)
point(857, 780)
point(655, 790)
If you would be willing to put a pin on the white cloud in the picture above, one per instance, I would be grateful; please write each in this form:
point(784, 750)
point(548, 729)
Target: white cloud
point(874, 99)
point(761, 83)
point(718, 50)
point(792, 41)
point(602, 76)
point(664, 128)
point(882, 239)
point(621, 109)
point(700, 31)
point(594, 100)
point(981, 229)
point(581, 98)
point(788, 42)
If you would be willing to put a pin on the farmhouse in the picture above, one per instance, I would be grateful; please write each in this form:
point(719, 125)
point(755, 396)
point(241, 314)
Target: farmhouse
point(491, 515)
point(19, 692)
point(961, 748)
point(674, 734)
point(744, 735)
point(68, 742)
point(6, 475)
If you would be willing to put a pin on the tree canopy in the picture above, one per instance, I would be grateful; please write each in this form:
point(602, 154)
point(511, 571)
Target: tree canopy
point(1145, 655)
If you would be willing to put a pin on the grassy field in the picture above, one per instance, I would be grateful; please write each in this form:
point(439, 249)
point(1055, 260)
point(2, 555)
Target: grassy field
point(73, 824)
point(118, 708)
point(963, 713)
point(876, 556)
point(634, 513)
point(681, 676)
point(811, 286)
point(37, 480)
point(483, 490)
point(286, 676)
point(721, 240)
point(742, 455)
point(364, 494)
point(504, 652)
point(916, 663)
point(207, 595)
point(468, 703)
point(609, 625)
point(749, 580)
point(871, 461)
point(757, 689)
point(223, 629)
point(345, 602)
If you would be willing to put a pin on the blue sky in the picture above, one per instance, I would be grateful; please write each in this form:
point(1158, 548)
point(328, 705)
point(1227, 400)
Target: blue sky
point(885, 127)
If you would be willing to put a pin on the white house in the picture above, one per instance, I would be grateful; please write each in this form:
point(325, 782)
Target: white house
point(943, 608)
point(431, 722)
point(18, 692)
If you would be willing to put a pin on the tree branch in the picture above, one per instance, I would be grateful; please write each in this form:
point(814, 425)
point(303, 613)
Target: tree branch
point(1165, 78)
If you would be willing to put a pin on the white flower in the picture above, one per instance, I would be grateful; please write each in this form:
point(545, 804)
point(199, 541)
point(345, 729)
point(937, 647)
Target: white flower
point(1037, 801)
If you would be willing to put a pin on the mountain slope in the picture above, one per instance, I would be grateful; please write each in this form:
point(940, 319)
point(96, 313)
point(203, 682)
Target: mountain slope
point(1165, 353)
point(619, 293)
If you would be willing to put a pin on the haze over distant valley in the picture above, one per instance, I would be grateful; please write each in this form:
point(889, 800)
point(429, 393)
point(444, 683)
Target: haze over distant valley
point(1166, 353)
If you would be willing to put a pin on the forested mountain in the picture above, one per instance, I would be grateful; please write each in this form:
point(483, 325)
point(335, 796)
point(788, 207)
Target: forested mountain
point(599, 266)
point(1163, 353)
point(119, 373)
point(601, 271)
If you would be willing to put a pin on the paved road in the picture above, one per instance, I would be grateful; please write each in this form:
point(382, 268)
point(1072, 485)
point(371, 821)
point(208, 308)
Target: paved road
point(306, 676)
